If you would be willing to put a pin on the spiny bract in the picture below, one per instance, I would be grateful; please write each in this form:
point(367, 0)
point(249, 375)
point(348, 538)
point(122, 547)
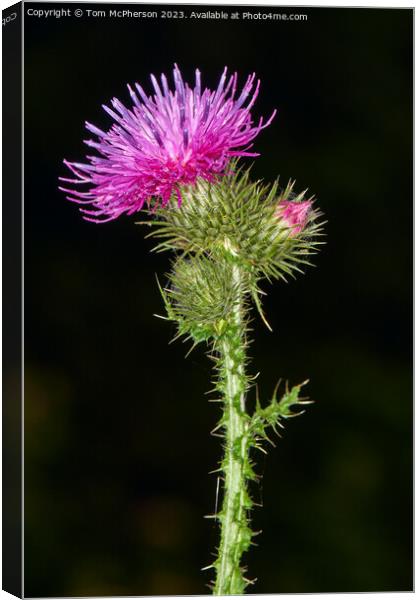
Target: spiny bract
point(200, 297)
point(243, 216)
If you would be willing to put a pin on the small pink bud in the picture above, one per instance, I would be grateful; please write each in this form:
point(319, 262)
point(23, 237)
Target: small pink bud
point(294, 214)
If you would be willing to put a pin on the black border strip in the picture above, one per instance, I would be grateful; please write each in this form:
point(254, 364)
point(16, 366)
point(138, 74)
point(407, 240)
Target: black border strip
point(12, 299)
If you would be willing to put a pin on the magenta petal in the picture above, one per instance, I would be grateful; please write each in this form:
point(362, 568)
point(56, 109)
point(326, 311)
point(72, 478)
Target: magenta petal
point(294, 214)
point(164, 141)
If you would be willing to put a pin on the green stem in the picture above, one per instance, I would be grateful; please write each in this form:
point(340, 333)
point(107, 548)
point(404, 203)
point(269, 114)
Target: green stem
point(235, 533)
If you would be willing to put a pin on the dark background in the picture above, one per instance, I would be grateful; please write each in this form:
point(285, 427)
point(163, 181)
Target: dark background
point(117, 443)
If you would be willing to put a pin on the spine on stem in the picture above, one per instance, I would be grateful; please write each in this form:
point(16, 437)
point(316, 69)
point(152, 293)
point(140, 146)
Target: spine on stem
point(236, 469)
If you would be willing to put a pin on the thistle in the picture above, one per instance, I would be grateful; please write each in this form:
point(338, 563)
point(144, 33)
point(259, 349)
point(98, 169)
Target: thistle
point(163, 142)
point(175, 157)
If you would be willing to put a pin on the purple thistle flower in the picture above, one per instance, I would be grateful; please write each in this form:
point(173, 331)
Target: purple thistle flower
point(164, 142)
point(294, 214)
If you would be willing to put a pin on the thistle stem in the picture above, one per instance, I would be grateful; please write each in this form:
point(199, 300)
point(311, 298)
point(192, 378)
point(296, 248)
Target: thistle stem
point(235, 533)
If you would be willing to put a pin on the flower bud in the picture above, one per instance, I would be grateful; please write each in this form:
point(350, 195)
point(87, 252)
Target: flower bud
point(294, 214)
point(200, 296)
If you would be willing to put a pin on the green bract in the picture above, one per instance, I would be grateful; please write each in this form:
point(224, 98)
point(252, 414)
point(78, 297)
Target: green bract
point(201, 297)
point(242, 213)
point(233, 219)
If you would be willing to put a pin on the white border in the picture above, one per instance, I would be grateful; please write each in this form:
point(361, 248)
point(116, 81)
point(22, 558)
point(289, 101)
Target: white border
point(320, 3)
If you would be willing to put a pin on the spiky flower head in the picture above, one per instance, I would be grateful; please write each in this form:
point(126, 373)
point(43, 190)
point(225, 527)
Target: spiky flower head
point(163, 142)
point(200, 296)
point(269, 230)
point(294, 214)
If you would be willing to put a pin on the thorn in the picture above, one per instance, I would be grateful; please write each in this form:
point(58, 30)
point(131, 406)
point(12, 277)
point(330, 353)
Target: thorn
point(212, 432)
point(257, 447)
point(219, 470)
point(297, 414)
point(191, 349)
point(260, 311)
point(276, 389)
point(161, 317)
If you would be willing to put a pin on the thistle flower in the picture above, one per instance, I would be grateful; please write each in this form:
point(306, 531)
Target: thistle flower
point(294, 214)
point(164, 142)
